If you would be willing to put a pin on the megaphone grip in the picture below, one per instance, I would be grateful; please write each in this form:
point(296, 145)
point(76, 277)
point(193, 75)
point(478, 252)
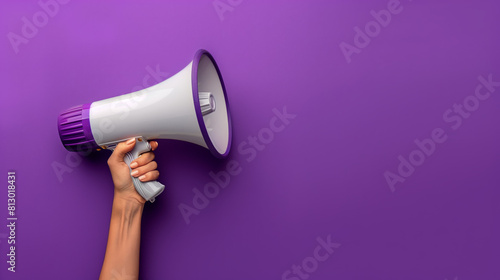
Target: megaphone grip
point(148, 190)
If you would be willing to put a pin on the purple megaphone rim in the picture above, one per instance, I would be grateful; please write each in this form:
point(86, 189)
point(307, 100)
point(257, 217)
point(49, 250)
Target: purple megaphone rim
point(199, 115)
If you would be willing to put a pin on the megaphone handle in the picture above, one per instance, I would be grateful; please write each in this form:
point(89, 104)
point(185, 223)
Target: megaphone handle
point(148, 190)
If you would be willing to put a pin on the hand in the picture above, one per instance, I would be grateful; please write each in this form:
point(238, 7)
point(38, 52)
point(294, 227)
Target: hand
point(143, 167)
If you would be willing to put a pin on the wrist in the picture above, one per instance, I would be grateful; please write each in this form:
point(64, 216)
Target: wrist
point(128, 200)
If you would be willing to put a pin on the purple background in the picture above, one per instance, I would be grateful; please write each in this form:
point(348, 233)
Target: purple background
point(323, 175)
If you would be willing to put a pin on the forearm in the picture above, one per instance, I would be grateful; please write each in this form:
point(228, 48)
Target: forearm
point(122, 252)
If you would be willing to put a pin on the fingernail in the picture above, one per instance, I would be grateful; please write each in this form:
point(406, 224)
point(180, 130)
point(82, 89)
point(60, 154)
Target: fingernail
point(135, 172)
point(134, 164)
point(130, 141)
point(142, 177)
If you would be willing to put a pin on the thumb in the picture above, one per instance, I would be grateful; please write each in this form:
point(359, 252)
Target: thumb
point(121, 149)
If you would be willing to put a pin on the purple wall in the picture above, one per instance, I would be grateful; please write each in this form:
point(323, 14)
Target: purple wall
point(363, 93)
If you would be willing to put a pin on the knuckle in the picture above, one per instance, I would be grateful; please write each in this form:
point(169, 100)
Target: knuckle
point(140, 161)
point(145, 158)
point(150, 156)
point(119, 146)
point(153, 175)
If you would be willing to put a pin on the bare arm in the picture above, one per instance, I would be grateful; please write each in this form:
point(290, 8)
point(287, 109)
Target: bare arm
point(122, 252)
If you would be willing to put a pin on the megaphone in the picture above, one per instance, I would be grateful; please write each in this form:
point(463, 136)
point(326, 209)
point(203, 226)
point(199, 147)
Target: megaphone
point(190, 106)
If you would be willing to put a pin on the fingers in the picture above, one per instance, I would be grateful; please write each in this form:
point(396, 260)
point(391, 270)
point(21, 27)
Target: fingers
point(146, 171)
point(120, 150)
point(150, 176)
point(142, 160)
point(146, 157)
point(144, 167)
point(154, 145)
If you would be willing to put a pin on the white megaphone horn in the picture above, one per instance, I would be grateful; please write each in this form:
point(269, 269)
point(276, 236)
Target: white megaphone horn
point(190, 106)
